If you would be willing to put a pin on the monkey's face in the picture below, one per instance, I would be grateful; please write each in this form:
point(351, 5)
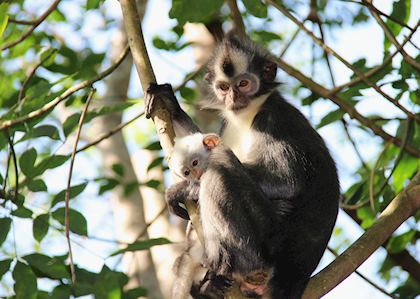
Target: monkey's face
point(238, 73)
point(237, 92)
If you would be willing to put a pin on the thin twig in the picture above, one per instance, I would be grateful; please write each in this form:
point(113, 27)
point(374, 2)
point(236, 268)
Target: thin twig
point(353, 143)
point(353, 207)
point(144, 230)
point(22, 22)
point(381, 13)
point(67, 196)
point(372, 179)
point(30, 75)
point(350, 110)
point(33, 27)
point(373, 71)
point(376, 286)
point(391, 36)
point(9, 123)
point(238, 23)
point(110, 133)
point(292, 39)
point(326, 48)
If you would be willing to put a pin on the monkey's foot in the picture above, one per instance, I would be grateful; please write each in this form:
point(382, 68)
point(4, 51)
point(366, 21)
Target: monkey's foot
point(158, 92)
point(254, 285)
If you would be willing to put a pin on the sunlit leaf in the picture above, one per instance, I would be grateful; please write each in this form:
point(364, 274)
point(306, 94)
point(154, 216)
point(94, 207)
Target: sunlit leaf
point(107, 285)
point(25, 282)
point(194, 10)
point(77, 221)
point(47, 266)
point(40, 226)
point(27, 162)
point(74, 191)
point(256, 8)
point(399, 243)
point(4, 228)
point(142, 245)
point(4, 266)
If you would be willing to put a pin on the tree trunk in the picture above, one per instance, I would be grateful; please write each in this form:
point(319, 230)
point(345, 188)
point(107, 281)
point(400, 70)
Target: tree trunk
point(128, 209)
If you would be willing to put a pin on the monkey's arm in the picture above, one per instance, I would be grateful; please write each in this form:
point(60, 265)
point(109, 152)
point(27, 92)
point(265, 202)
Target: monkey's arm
point(183, 124)
point(177, 194)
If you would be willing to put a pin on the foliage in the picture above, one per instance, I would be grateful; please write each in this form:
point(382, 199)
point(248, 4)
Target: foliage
point(35, 154)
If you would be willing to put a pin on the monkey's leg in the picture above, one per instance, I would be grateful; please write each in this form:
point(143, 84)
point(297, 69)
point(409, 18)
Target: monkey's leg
point(183, 124)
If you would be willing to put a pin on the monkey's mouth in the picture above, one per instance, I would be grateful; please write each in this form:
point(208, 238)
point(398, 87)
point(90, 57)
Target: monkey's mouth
point(237, 104)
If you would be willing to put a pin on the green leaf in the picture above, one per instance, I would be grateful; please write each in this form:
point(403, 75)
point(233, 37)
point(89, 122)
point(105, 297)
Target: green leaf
point(37, 185)
point(367, 216)
point(256, 8)
point(22, 212)
point(415, 96)
point(92, 4)
point(154, 146)
point(401, 12)
point(48, 56)
point(194, 10)
point(404, 171)
point(135, 293)
point(142, 245)
point(188, 94)
point(331, 117)
point(130, 187)
point(78, 223)
point(42, 131)
point(61, 292)
point(25, 282)
point(107, 286)
point(118, 169)
point(40, 226)
point(156, 162)
point(74, 191)
point(4, 266)
point(109, 184)
point(399, 243)
point(153, 184)
point(57, 16)
point(4, 19)
point(4, 228)
point(27, 162)
point(50, 162)
point(50, 267)
point(71, 123)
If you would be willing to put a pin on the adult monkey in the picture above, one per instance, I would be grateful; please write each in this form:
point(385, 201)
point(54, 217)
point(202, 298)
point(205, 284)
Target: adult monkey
point(279, 149)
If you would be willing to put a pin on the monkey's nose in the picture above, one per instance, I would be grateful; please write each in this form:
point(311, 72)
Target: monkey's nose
point(197, 173)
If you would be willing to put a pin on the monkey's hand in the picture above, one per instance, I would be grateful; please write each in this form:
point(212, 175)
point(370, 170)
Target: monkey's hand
point(214, 286)
point(177, 194)
point(164, 94)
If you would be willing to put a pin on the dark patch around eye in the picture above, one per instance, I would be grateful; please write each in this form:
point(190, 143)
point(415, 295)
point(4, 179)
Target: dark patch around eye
point(228, 68)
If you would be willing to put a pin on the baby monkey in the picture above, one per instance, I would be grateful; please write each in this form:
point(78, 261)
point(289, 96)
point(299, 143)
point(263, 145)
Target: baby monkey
point(236, 216)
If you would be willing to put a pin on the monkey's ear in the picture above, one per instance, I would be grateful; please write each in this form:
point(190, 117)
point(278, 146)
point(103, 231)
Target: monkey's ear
point(270, 71)
point(210, 141)
point(208, 77)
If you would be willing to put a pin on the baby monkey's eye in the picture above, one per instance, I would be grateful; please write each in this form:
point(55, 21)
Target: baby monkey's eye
point(243, 83)
point(224, 86)
point(186, 172)
point(195, 163)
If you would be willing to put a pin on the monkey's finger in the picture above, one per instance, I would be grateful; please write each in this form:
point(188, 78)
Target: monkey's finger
point(179, 211)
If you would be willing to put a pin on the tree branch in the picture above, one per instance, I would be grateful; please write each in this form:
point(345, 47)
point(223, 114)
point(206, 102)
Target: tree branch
point(327, 49)
point(238, 23)
point(160, 115)
point(352, 112)
point(67, 195)
point(36, 23)
point(391, 36)
point(9, 123)
point(399, 210)
point(402, 259)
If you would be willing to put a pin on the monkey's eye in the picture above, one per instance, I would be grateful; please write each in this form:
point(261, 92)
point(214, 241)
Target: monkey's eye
point(195, 163)
point(186, 172)
point(224, 86)
point(243, 83)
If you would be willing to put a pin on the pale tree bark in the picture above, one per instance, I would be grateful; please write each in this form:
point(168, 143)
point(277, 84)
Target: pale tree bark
point(129, 216)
